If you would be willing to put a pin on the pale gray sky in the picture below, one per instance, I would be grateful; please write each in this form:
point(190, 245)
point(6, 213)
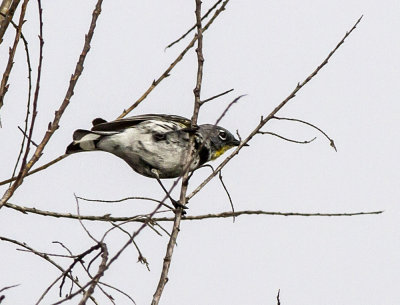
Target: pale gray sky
point(259, 48)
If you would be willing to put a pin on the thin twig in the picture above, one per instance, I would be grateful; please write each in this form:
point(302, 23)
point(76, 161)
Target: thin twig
point(286, 139)
point(193, 27)
point(215, 96)
point(332, 143)
point(45, 257)
point(81, 222)
point(28, 104)
point(227, 192)
point(40, 168)
point(165, 74)
point(8, 287)
point(277, 297)
point(141, 258)
point(29, 141)
point(100, 273)
point(76, 260)
point(27, 137)
point(274, 112)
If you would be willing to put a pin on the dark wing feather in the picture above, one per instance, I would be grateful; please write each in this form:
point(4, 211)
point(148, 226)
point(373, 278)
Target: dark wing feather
point(134, 120)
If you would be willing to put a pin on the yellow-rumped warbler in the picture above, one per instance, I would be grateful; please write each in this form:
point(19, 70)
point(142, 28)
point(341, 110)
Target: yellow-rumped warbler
point(155, 145)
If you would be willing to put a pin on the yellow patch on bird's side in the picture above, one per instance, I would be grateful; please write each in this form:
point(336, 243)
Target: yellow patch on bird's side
point(220, 152)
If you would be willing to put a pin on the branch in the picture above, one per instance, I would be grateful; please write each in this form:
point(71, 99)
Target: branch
point(332, 143)
point(44, 256)
point(286, 139)
point(274, 112)
point(40, 168)
point(215, 96)
point(185, 179)
point(173, 64)
point(193, 27)
point(53, 126)
point(145, 218)
point(3, 85)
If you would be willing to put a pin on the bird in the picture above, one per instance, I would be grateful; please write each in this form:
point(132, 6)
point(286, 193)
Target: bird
point(155, 145)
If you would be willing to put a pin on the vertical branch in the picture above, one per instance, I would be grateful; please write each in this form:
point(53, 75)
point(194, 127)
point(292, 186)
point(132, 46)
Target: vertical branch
point(36, 94)
point(53, 126)
point(178, 214)
point(200, 63)
point(10, 63)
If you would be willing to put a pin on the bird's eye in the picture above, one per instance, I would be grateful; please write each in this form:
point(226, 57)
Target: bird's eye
point(222, 135)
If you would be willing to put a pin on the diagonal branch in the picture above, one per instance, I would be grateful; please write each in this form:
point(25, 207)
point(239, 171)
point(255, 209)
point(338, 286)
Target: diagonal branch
point(193, 27)
point(274, 112)
point(54, 125)
point(173, 64)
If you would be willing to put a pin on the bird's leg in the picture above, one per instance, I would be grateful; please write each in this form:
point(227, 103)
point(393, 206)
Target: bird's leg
point(175, 203)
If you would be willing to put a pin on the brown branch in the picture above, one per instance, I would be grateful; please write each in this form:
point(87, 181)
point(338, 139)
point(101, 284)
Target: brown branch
point(227, 192)
point(173, 64)
point(40, 168)
point(28, 104)
point(145, 218)
point(193, 27)
point(100, 273)
point(332, 143)
point(35, 98)
point(3, 85)
point(286, 139)
point(185, 179)
point(53, 126)
point(277, 297)
point(215, 96)
point(274, 112)
point(44, 256)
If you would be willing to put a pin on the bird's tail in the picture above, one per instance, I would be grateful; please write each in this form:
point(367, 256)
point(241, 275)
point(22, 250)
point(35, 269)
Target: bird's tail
point(84, 140)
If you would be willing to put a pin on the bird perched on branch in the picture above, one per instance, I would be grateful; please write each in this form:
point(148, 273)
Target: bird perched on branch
point(155, 145)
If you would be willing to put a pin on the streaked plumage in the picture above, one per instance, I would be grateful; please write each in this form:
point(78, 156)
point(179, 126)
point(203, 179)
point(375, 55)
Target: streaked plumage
point(154, 142)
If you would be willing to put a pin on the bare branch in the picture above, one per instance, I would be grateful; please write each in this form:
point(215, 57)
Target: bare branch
point(173, 64)
point(40, 168)
point(227, 192)
point(193, 27)
point(44, 256)
point(277, 297)
point(100, 273)
point(185, 179)
point(215, 96)
point(146, 218)
point(10, 63)
point(332, 143)
point(275, 111)
point(286, 139)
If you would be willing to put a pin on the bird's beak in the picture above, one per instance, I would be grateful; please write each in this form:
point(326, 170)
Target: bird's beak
point(237, 143)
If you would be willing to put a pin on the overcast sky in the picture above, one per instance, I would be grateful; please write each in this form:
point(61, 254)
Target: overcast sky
point(259, 48)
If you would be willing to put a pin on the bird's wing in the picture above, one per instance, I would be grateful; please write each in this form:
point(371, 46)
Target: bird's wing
point(101, 125)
